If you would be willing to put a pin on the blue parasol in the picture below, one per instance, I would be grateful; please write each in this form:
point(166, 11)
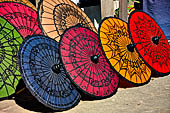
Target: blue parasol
point(44, 75)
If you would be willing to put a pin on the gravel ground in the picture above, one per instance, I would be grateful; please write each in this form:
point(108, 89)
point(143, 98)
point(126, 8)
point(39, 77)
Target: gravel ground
point(153, 97)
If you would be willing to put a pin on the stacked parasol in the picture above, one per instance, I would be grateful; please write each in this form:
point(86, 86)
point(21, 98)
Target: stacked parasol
point(57, 52)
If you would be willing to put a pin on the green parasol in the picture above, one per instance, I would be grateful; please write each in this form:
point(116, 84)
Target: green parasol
point(10, 41)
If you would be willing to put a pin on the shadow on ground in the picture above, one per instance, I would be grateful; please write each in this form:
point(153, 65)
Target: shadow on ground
point(24, 98)
point(29, 102)
point(125, 84)
point(156, 75)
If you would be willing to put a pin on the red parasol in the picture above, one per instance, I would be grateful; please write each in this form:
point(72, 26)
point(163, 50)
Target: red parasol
point(21, 16)
point(150, 41)
point(86, 64)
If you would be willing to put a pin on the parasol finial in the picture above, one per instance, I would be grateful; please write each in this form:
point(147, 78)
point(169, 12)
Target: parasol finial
point(56, 68)
point(155, 39)
point(131, 47)
point(95, 59)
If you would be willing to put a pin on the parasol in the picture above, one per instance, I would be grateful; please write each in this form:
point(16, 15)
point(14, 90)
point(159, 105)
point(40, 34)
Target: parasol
point(85, 63)
point(151, 43)
point(120, 51)
point(44, 75)
point(25, 2)
point(57, 15)
point(22, 17)
point(10, 41)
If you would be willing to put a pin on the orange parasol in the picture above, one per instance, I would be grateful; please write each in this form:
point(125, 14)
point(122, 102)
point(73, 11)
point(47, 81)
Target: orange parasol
point(120, 51)
point(57, 15)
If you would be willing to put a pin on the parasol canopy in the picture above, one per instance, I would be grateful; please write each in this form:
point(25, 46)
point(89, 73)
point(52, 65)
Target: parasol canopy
point(57, 15)
point(10, 41)
point(22, 17)
point(150, 41)
point(44, 75)
point(25, 2)
point(85, 63)
point(120, 51)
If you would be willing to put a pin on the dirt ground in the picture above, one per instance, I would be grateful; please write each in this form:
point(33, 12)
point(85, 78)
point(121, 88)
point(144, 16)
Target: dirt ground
point(153, 97)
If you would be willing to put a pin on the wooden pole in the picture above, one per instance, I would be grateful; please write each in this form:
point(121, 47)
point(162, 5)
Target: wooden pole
point(36, 1)
point(108, 7)
point(123, 10)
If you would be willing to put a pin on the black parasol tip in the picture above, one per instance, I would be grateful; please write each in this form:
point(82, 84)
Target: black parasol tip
point(131, 47)
point(56, 68)
point(155, 40)
point(95, 59)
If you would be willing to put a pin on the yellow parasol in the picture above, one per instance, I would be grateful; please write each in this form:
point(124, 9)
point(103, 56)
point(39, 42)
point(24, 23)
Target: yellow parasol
point(120, 51)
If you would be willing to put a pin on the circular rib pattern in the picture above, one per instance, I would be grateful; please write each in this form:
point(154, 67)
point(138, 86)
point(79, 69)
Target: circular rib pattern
point(10, 41)
point(44, 75)
point(22, 17)
point(120, 51)
point(85, 63)
point(57, 15)
point(151, 43)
